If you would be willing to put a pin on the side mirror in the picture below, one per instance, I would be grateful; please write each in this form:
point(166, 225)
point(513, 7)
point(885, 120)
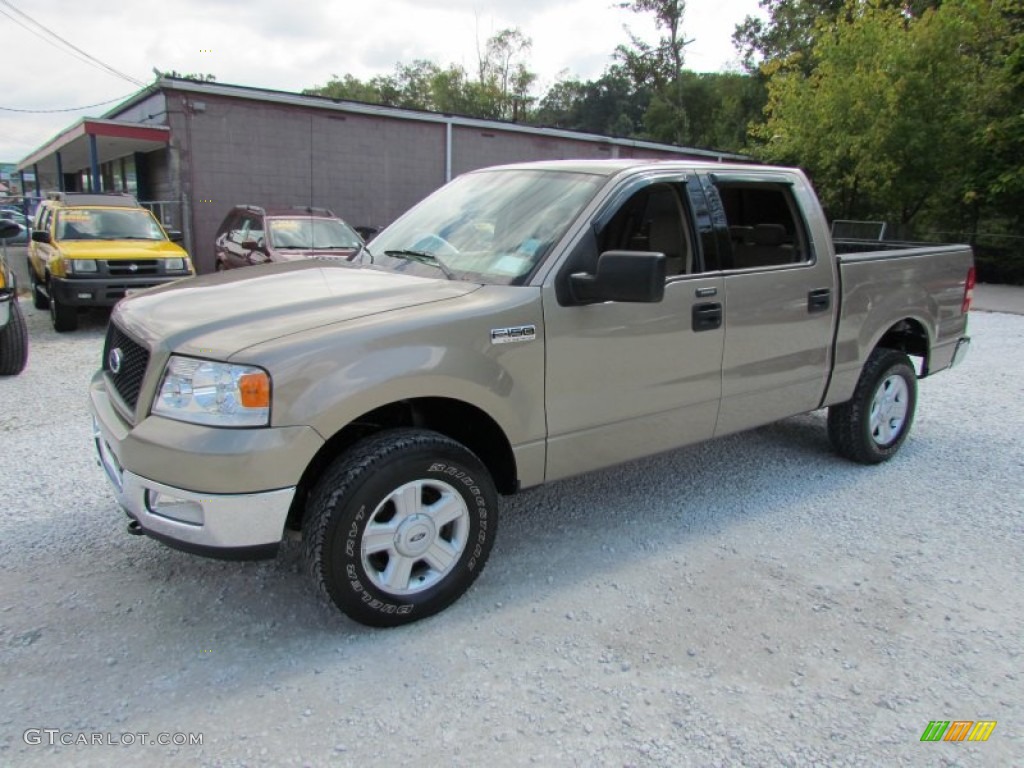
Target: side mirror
point(175, 236)
point(250, 245)
point(633, 276)
point(366, 232)
point(8, 229)
point(41, 236)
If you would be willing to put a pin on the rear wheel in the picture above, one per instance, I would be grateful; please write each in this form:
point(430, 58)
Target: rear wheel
point(14, 343)
point(63, 316)
point(872, 425)
point(400, 526)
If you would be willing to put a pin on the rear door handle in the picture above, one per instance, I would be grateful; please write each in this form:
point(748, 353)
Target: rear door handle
point(819, 300)
point(707, 317)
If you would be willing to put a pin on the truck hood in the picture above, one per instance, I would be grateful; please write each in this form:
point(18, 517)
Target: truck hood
point(121, 249)
point(216, 316)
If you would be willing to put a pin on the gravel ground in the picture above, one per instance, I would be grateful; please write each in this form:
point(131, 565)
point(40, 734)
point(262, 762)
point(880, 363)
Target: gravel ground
point(752, 601)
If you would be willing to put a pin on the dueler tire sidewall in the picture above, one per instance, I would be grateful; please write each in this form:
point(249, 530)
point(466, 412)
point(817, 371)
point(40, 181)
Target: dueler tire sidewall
point(346, 580)
point(902, 368)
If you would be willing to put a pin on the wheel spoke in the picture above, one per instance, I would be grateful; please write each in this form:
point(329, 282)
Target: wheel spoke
point(446, 509)
point(440, 556)
point(396, 575)
point(408, 501)
point(378, 538)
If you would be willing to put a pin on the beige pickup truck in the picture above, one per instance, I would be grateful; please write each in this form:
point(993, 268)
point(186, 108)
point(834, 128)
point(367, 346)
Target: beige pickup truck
point(522, 324)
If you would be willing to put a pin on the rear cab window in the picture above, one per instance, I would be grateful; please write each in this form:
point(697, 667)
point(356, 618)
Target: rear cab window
point(764, 226)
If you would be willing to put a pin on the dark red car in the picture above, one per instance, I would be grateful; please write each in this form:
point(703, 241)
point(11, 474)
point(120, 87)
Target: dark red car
point(254, 235)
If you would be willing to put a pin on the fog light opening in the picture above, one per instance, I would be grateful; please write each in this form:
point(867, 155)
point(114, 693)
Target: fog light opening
point(173, 508)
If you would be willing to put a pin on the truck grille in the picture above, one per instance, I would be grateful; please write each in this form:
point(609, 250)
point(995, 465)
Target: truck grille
point(133, 361)
point(133, 267)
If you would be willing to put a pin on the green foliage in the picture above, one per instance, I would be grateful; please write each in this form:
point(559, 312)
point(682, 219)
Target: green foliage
point(895, 118)
point(647, 94)
point(501, 90)
point(194, 76)
point(610, 105)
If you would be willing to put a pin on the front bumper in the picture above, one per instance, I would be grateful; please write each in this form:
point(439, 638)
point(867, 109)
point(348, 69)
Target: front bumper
point(221, 493)
point(102, 291)
point(245, 526)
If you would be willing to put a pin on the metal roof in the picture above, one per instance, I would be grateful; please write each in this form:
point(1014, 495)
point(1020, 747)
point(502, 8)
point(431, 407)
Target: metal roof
point(353, 107)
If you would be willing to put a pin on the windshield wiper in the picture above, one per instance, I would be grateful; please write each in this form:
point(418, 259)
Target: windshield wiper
point(423, 257)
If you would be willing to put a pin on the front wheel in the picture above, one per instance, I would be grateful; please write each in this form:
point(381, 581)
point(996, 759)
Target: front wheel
point(63, 316)
point(400, 526)
point(13, 343)
point(872, 425)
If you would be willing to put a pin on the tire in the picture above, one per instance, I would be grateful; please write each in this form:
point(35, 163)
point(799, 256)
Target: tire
point(39, 299)
point(399, 527)
point(14, 343)
point(874, 423)
point(63, 316)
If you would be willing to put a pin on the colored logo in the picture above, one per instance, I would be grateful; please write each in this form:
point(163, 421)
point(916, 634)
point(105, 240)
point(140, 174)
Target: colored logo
point(958, 730)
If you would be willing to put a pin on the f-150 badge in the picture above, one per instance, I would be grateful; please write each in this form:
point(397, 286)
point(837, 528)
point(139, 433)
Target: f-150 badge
point(516, 333)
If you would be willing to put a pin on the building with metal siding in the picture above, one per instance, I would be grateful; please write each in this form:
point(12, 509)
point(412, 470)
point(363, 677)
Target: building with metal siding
point(193, 150)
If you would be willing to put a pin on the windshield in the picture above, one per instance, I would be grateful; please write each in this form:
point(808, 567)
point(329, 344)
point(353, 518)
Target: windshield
point(490, 226)
point(103, 224)
point(309, 233)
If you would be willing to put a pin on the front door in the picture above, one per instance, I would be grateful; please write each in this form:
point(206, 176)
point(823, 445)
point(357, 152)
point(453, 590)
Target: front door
point(625, 380)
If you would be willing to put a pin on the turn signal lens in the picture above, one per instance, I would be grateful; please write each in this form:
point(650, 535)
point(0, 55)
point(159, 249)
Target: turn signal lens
point(254, 389)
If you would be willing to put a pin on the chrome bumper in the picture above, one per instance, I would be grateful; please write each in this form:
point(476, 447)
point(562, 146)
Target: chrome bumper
point(233, 526)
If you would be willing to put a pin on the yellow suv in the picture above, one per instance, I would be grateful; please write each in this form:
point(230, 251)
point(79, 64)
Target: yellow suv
point(92, 250)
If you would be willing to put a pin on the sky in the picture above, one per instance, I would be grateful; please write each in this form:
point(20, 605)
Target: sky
point(294, 45)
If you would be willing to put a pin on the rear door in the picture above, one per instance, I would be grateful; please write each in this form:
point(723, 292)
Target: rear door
point(779, 299)
point(625, 380)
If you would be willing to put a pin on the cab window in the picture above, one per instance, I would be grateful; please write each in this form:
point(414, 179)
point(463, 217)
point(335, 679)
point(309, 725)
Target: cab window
point(763, 225)
point(653, 219)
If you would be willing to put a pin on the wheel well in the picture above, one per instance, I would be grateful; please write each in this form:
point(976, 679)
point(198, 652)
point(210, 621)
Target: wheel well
point(460, 421)
point(910, 337)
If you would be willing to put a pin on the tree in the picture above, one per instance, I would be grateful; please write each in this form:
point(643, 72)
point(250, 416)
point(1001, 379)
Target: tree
point(788, 32)
point(660, 67)
point(890, 118)
point(501, 90)
point(502, 72)
point(611, 105)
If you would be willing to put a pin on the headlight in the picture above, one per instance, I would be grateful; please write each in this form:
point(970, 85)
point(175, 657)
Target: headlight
point(78, 266)
point(218, 394)
point(175, 265)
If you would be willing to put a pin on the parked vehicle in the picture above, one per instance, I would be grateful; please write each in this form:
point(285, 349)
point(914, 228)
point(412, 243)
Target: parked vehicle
point(251, 235)
point(18, 236)
point(13, 331)
point(522, 324)
point(92, 250)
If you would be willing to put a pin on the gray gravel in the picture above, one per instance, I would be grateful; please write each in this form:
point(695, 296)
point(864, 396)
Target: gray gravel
point(752, 601)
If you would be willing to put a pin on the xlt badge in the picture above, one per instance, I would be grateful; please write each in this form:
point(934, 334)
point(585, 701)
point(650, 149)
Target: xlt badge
point(516, 333)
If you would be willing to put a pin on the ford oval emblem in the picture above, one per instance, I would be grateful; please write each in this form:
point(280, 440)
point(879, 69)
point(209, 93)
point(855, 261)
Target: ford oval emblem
point(114, 359)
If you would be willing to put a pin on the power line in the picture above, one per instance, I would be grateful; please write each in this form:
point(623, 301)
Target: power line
point(88, 58)
point(67, 109)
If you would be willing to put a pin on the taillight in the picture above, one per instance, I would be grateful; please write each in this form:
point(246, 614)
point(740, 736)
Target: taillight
point(968, 291)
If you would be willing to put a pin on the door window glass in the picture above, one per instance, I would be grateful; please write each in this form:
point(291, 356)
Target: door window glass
point(763, 225)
